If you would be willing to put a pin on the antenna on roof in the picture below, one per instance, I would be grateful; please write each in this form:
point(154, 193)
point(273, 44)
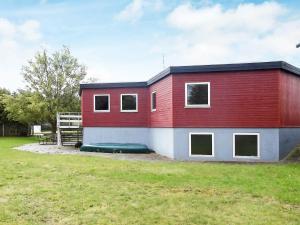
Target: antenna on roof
point(163, 61)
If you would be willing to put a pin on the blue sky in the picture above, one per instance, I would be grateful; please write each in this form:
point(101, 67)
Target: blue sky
point(125, 40)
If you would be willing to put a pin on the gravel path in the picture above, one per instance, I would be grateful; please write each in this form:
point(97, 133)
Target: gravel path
point(54, 149)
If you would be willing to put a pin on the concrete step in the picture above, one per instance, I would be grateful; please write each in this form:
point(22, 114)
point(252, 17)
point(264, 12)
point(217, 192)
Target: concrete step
point(294, 155)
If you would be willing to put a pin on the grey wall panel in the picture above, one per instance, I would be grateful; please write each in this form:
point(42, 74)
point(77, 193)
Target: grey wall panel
point(288, 139)
point(161, 140)
point(158, 139)
point(174, 142)
point(223, 144)
point(115, 134)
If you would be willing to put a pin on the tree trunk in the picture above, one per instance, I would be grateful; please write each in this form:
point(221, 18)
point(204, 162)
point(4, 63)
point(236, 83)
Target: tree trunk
point(53, 127)
point(29, 130)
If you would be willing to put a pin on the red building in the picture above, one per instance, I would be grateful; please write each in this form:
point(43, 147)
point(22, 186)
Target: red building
point(247, 111)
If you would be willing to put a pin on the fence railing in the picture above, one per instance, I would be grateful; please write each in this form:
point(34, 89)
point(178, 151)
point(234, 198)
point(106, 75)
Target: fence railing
point(68, 128)
point(14, 129)
point(70, 120)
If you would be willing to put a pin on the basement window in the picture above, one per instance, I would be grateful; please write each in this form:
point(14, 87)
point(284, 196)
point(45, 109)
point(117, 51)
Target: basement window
point(153, 101)
point(197, 95)
point(129, 102)
point(246, 145)
point(102, 103)
point(201, 144)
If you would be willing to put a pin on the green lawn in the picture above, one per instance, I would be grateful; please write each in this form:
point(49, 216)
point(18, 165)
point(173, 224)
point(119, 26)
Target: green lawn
point(65, 189)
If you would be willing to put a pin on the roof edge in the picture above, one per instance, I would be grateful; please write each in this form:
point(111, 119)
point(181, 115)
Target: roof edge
point(198, 69)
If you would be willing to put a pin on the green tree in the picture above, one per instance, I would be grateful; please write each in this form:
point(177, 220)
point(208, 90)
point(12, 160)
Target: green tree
point(3, 113)
point(52, 86)
point(25, 107)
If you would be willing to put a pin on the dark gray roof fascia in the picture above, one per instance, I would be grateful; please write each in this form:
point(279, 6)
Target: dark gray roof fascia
point(113, 85)
point(198, 69)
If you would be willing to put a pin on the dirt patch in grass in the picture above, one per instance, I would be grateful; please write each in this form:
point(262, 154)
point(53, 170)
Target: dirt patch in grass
point(65, 150)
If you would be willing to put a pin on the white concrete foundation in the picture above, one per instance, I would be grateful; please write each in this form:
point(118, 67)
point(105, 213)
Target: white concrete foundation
point(274, 144)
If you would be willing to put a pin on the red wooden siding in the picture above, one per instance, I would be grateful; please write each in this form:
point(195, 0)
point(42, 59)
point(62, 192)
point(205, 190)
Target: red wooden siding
point(265, 98)
point(115, 118)
point(290, 100)
point(163, 116)
point(238, 99)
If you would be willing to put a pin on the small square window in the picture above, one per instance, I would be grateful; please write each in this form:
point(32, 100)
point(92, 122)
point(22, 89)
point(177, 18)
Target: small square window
point(246, 145)
point(197, 95)
point(101, 103)
point(129, 102)
point(201, 144)
point(153, 101)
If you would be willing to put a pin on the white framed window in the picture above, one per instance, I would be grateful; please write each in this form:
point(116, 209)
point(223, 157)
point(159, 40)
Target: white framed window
point(129, 102)
point(153, 101)
point(197, 95)
point(201, 144)
point(101, 103)
point(246, 145)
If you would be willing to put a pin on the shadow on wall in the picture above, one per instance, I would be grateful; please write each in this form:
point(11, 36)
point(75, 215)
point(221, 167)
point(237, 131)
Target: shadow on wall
point(289, 138)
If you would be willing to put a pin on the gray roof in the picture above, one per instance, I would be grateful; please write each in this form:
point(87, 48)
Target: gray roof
point(113, 85)
point(198, 69)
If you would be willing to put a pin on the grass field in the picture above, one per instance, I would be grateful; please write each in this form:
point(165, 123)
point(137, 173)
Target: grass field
point(65, 189)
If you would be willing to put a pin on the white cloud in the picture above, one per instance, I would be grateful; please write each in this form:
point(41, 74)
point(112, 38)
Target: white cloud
point(7, 29)
point(248, 32)
point(247, 17)
point(18, 42)
point(30, 29)
point(136, 9)
point(132, 12)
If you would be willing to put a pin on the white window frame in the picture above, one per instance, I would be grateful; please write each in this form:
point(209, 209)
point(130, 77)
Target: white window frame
point(212, 145)
point(153, 110)
point(137, 101)
point(247, 157)
point(197, 105)
point(108, 110)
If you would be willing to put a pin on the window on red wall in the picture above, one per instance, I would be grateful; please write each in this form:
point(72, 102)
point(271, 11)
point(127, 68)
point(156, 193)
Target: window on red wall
point(197, 95)
point(129, 102)
point(101, 103)
point(153, 101)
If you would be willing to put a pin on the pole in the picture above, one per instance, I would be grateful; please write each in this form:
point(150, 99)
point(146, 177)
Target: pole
point(58, 130)
point(3, 130)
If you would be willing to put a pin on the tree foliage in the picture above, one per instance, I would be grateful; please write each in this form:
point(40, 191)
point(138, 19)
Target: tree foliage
point(3, 113)
point(52, 86)
point(25, 107)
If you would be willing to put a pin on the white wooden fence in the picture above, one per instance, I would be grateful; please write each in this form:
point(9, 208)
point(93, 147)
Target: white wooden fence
point(67, 120)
